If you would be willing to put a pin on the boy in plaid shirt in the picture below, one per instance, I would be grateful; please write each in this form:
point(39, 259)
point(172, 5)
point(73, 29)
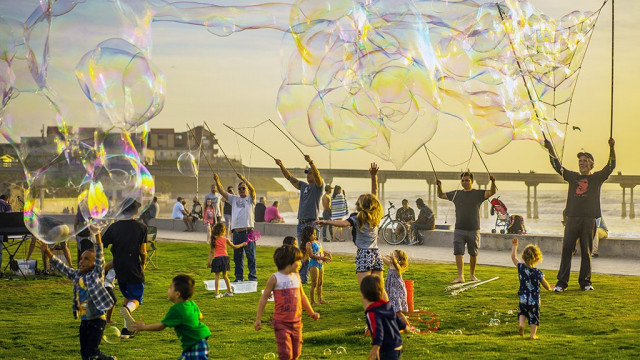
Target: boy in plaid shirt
point(90, 298)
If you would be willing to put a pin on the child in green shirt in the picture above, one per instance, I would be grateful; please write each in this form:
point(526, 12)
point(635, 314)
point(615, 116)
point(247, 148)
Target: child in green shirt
point(184, 316)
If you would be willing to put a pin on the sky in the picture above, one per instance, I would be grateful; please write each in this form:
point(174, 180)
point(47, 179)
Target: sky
point(234, 80)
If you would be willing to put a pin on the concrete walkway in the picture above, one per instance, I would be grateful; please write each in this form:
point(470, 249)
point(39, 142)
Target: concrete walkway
point(602, 265)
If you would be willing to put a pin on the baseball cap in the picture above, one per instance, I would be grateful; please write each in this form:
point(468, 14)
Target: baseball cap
point(584, 153)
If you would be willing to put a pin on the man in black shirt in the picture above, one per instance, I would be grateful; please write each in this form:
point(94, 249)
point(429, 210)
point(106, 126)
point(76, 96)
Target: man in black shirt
point(128, 245)
point(261, 207)
point(426, 221)
point(582, 210)
point(467, 231)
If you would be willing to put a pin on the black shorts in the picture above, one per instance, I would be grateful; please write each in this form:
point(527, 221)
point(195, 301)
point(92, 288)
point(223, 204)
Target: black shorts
point(220, 264)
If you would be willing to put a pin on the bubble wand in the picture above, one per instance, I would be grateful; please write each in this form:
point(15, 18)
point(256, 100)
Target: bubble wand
point(613, 12)
point(481, 159)
point(287, 136)
point(221, 149)
point(200, 146)
point(254, 144)
point(472, 286)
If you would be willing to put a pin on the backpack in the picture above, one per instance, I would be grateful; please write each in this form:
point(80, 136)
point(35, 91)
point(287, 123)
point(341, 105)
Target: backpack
point(516, 225)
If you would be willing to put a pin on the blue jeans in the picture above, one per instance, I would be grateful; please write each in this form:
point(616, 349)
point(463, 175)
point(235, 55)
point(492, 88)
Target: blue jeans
point(90, 337)
point(304, 269)
point(326, 215)
point(250, 250)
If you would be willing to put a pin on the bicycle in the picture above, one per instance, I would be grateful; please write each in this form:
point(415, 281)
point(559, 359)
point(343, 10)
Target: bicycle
point(394, 232)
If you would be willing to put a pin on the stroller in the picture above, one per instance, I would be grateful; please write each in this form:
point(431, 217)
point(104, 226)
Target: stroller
point(499, 209)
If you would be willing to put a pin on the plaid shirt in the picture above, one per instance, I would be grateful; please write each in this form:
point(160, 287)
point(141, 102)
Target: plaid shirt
point(94, 281)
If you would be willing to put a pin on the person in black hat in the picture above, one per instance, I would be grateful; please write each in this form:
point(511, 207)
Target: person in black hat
point(582, 210)
point(309, 206)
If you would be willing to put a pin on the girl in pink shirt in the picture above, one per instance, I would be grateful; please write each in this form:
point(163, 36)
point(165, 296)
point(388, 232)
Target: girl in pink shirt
point(209, 218)
point(218, 252)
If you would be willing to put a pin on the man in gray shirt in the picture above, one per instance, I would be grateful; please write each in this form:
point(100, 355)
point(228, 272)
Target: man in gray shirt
point(467, 231)
point(309, 205)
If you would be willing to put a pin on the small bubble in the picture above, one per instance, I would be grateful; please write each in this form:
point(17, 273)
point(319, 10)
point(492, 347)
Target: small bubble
point(326, 351)
point(450, 333)
point(484, 313)
point(269, 356)
point(458, 332)
point(111, 335)
point(341, 350)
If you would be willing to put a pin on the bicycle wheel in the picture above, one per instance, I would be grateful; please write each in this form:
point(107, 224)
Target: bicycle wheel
point(394, 232)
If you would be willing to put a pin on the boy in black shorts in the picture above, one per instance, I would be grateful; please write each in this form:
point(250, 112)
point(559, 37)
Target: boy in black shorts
point(128, 245)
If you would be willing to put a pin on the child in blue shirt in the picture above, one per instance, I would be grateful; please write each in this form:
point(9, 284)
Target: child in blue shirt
point(530, 280)
point(382, 321)
point(184, 316)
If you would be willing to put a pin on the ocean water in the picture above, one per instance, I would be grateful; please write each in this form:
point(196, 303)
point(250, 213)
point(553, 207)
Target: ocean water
point(550, 206)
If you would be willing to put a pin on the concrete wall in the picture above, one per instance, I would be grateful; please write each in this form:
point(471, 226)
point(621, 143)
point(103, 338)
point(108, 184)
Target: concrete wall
point(550, 244)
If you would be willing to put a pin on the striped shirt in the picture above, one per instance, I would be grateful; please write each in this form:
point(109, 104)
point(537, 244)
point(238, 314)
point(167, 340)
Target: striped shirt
point(339, 207)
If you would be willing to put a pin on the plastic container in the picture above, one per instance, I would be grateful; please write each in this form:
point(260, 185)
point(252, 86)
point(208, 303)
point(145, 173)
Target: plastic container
point(211, 285)
point(409, 285)
point(244, 287)
point(270, 296)
point(27, 267)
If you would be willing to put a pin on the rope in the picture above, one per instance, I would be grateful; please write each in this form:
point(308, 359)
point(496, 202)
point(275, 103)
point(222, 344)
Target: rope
point(287, 136)
point(429, 156)
point(254, 144)
point(221, 149)
point(240, 154)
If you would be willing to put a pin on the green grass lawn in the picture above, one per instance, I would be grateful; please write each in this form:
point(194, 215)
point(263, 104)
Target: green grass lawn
point(36, 320)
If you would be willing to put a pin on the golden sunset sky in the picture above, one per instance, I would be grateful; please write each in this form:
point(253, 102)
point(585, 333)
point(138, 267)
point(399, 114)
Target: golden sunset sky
point(235, 80)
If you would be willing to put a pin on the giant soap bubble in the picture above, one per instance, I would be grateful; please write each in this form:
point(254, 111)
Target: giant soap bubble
point(78, 85)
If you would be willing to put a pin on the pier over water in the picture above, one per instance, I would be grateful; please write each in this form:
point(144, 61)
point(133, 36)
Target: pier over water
point(531, 180)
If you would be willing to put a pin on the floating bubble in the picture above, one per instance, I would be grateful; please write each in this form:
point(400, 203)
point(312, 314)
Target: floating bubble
point(450, 333)
point(458, 332)
point(340, 350)
point(326, 351)
point(120, 80)
point(111, 335)
point(187, 164)
point(269, 356)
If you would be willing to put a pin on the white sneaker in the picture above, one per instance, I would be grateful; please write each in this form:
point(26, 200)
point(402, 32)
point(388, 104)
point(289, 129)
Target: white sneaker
point(558, 289)
point(588, 288)
point(126, 314)
point(219, 296)
point(227, 294)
